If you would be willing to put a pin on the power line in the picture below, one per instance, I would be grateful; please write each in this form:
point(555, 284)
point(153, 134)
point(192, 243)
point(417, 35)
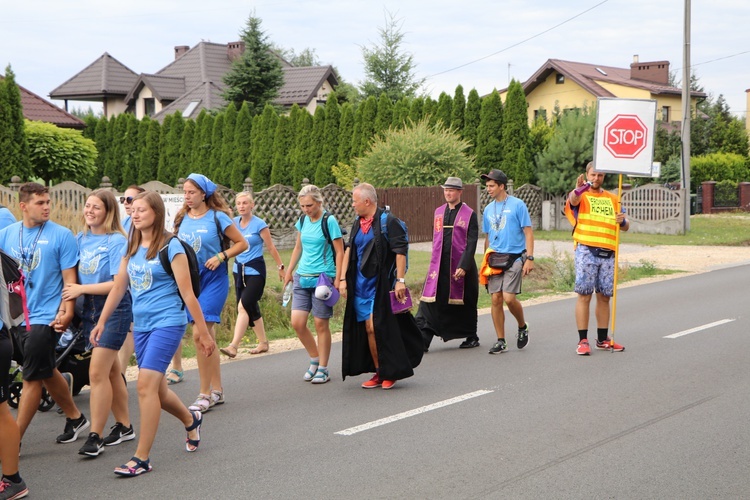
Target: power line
point(522, 41)
point(717, 59)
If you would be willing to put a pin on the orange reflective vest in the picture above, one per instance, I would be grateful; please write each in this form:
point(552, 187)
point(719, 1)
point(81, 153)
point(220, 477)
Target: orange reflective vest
point(595, 223)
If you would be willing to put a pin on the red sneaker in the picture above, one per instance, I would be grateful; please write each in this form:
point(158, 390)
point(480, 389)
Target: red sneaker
point(388, 384)
point(609, 344)
point(373, 383)
point(583, 348)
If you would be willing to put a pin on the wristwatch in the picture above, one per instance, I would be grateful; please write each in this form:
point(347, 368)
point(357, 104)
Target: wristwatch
point(401, 280)
point(280, 267)
point(530, 257)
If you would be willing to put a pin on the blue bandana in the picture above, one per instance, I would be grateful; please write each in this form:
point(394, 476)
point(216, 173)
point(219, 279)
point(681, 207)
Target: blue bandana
point(204, 183)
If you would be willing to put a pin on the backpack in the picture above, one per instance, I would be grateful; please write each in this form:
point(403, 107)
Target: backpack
point(195, 273)
point(14, 309)
point(384, 217)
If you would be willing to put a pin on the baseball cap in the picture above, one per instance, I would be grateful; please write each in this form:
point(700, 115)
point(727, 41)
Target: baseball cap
point(329, 295)
point(497, 176)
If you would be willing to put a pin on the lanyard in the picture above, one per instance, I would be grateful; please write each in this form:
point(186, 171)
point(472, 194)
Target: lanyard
point(500, 226)
point(27, 263)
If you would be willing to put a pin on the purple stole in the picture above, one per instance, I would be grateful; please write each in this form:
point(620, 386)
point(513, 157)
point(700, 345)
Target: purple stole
point(458, 245)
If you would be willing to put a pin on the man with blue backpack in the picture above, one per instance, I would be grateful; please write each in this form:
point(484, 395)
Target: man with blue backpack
point(375, 338)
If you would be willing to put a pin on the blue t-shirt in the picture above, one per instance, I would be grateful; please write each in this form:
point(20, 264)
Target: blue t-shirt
point(504, 222)
point(202, 235)
point(6, 218)
point(47, 250)
point(251, 233)
point(126, 223)
point(156, 298)
point(99, 256)
point(364, 287)
point(317, 255)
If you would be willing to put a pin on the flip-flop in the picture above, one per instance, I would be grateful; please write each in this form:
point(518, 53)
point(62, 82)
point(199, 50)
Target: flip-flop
point(180, 375)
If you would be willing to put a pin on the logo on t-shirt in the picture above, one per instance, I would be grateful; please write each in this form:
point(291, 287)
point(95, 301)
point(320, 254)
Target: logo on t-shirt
point(140, 276)
point(89, 261)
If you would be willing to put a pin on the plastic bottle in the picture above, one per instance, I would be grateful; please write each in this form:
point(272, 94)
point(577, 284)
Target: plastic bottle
point(287, 294)
point(584, 187)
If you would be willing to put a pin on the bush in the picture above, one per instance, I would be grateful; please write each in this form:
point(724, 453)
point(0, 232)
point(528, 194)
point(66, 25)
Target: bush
point(58, 154)
point(417, 155)
point(718, 167)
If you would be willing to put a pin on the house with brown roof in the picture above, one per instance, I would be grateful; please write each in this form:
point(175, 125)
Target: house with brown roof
point(38, 109)
point(566, 85)
point(193, 81)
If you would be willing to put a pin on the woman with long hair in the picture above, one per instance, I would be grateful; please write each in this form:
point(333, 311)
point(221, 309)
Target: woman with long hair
point(315, 256)
point(159, 322)
point(205, 223)
point(100, 248)
point(250, 274)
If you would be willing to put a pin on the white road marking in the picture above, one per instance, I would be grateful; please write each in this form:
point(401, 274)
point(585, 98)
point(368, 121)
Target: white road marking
point(699, 328)
point(417, 411)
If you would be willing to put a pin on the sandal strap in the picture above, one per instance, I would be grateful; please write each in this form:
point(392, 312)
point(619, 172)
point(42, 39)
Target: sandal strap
point(196, 422)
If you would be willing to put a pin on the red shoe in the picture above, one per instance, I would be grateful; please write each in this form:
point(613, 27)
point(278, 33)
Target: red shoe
point(609, 344)
point(583, 348)
point(388, 384)
point(373, 383)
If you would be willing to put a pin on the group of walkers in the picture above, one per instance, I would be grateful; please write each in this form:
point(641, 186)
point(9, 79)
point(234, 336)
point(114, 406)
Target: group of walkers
point(130, 284)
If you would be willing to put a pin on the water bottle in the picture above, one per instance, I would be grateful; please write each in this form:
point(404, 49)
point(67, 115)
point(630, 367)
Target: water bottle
point(287, 294)
point(584, 187)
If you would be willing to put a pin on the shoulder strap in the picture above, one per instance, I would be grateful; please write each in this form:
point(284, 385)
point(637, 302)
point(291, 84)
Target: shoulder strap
point(164, 257)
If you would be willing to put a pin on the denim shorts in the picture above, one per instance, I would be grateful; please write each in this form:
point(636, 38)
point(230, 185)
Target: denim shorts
point(117, 326)
point(304, 299)
point(154, 349)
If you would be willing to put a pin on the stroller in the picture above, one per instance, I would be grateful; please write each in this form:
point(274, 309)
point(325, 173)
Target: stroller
point(73, 356)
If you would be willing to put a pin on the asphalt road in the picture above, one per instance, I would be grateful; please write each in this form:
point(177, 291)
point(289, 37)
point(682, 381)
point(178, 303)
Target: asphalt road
point(667, 418)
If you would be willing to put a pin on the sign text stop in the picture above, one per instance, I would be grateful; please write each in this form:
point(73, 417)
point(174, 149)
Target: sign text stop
point(625, 136)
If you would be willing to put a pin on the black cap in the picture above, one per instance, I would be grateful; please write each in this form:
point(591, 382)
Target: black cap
point(497, 176)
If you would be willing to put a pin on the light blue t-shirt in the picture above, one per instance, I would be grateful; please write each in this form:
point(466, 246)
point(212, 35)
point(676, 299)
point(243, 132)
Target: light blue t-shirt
point(99, 256)
point(156, 298)
point(6, 218)
point(46, 251)
point(202, 235)
point(317, 255)
point(251, 233)
point(126, 223)
point(504, 223)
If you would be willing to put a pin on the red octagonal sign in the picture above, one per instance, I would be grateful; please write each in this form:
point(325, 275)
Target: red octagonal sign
point(625, 136)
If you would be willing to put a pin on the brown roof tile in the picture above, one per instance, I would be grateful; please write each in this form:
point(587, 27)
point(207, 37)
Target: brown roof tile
point(207, 95)
point(39, 109)
point(105, 76)
point(163, 87)
point(302, 84)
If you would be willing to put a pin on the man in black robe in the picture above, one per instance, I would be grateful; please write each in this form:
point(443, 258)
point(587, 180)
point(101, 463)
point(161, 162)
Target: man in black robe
point(375, 339)
point(448, 307)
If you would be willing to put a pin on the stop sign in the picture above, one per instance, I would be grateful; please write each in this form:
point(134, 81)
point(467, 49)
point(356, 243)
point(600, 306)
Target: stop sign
point(625, 136)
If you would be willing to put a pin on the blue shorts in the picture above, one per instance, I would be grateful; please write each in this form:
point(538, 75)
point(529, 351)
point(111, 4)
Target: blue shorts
point(154, 349)
point(117, 326)
point(593, 274)
point(303, 299)
point(214, 293)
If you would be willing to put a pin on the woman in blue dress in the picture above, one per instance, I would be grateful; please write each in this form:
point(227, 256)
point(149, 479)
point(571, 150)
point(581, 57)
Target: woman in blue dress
point(250, 275)
point(205, 223)
point(101, 245)
point(159, 321)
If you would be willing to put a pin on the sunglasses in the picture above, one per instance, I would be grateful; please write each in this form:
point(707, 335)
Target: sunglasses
point(128, 200)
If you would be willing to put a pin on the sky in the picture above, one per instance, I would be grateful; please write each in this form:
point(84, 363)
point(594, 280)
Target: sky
point(476, 43)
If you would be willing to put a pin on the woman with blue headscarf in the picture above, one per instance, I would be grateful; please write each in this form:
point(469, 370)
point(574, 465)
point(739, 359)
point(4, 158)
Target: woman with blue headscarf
point(205, 223)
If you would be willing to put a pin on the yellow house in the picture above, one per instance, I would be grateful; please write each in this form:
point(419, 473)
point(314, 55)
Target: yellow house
point(566, 85)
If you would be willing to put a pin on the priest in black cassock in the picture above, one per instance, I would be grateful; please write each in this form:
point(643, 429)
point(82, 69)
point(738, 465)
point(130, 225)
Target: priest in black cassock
point(448, 307)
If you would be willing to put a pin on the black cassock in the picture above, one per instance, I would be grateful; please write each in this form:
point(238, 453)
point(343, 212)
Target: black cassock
point(398, 339)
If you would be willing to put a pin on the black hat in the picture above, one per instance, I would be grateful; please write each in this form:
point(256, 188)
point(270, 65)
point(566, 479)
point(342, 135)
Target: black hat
point(497, 176)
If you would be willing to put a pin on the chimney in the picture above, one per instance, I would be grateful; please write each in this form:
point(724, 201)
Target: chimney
point(179, 50)
point(235, 50)
point(654, 72)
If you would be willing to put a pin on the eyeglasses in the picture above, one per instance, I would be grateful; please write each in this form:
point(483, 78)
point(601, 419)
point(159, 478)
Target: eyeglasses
point(124, 200)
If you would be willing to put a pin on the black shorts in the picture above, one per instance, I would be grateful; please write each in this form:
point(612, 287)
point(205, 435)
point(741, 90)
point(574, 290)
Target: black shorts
point(37, 347)
point(6, 353)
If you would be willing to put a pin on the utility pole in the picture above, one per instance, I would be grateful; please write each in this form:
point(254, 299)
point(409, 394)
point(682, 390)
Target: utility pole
point(686, 112)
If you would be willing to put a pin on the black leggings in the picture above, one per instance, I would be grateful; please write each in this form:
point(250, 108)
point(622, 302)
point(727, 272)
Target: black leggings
point(249, 290)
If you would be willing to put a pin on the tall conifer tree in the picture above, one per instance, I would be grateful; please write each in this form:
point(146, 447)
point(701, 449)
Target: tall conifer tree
point(149, 161)
point(224, 173)
point(471, 119)
point(489, 148)
point(515, 137)
point(243, 147)
point(459, 111)
point(346, 128)
point(14, 147)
